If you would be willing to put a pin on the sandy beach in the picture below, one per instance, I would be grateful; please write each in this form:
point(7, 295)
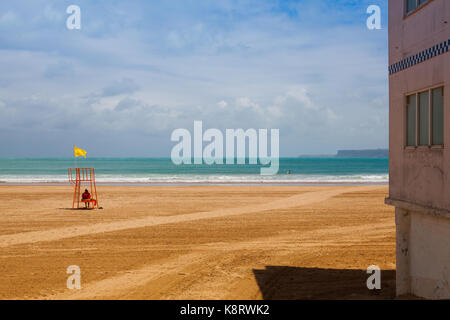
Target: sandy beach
point(197, 242)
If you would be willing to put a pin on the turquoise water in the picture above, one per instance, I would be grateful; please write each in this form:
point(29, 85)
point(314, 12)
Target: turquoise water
point(150, 170)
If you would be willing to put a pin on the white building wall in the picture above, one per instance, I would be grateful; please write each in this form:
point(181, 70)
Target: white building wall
point(430, 256)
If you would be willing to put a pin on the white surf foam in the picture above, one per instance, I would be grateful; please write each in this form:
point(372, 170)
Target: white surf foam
point(193, 179)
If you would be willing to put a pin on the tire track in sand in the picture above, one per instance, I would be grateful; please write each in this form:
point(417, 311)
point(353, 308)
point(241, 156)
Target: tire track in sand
point(77, 231)
point(121, 284)
point(131, 279)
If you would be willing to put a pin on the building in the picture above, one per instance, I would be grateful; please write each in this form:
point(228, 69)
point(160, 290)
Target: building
point(419, 106)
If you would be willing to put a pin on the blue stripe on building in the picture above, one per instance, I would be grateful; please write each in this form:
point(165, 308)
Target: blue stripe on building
point(425, 55)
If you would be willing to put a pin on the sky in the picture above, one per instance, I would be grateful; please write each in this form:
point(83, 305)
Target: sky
point(139, 69)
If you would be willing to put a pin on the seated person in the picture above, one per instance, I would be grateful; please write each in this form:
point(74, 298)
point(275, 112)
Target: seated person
point(86, 196)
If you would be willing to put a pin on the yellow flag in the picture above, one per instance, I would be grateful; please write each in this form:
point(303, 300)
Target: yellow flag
point(79, 152)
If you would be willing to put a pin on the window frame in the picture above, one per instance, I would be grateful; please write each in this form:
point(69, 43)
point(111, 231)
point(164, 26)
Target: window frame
point(418, 7)
point(431, 144)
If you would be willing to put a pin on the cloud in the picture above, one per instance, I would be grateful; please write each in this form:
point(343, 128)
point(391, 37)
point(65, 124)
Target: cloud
point(139, 69)
point(59, 69)
point(8, 19)
point(52, 15)
point(124, 86)
point(127, 104)
point(222, 104)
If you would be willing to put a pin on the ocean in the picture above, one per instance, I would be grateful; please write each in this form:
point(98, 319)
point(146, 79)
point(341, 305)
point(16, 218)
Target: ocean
point(150, 171)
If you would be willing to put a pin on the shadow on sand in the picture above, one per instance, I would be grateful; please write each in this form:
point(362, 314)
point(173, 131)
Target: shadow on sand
point(291, 283)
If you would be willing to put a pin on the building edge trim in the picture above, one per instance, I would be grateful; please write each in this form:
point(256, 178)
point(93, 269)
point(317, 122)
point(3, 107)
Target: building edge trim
point(416, 207)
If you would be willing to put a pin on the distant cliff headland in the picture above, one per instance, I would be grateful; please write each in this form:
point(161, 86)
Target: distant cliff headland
point(375, 153)
point(369, 153)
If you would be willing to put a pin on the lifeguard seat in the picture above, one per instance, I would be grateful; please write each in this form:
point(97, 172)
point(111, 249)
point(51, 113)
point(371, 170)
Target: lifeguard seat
point(83, 178)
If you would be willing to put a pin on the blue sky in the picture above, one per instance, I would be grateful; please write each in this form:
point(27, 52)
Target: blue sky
point(139, 69)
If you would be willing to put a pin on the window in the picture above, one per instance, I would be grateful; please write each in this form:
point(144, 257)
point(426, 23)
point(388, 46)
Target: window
point(412, 5)
point(411, 121)
point(425, 118)
point(438, 116)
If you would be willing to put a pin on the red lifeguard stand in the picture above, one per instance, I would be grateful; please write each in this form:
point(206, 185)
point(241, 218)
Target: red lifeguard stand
point(83, 178)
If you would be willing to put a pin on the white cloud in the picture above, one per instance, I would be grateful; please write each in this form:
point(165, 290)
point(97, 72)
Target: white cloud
point(53, 15)
point(222, 104)
point(144, 68)
point(9, 19)
point(300, 93)
point(123, 86)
